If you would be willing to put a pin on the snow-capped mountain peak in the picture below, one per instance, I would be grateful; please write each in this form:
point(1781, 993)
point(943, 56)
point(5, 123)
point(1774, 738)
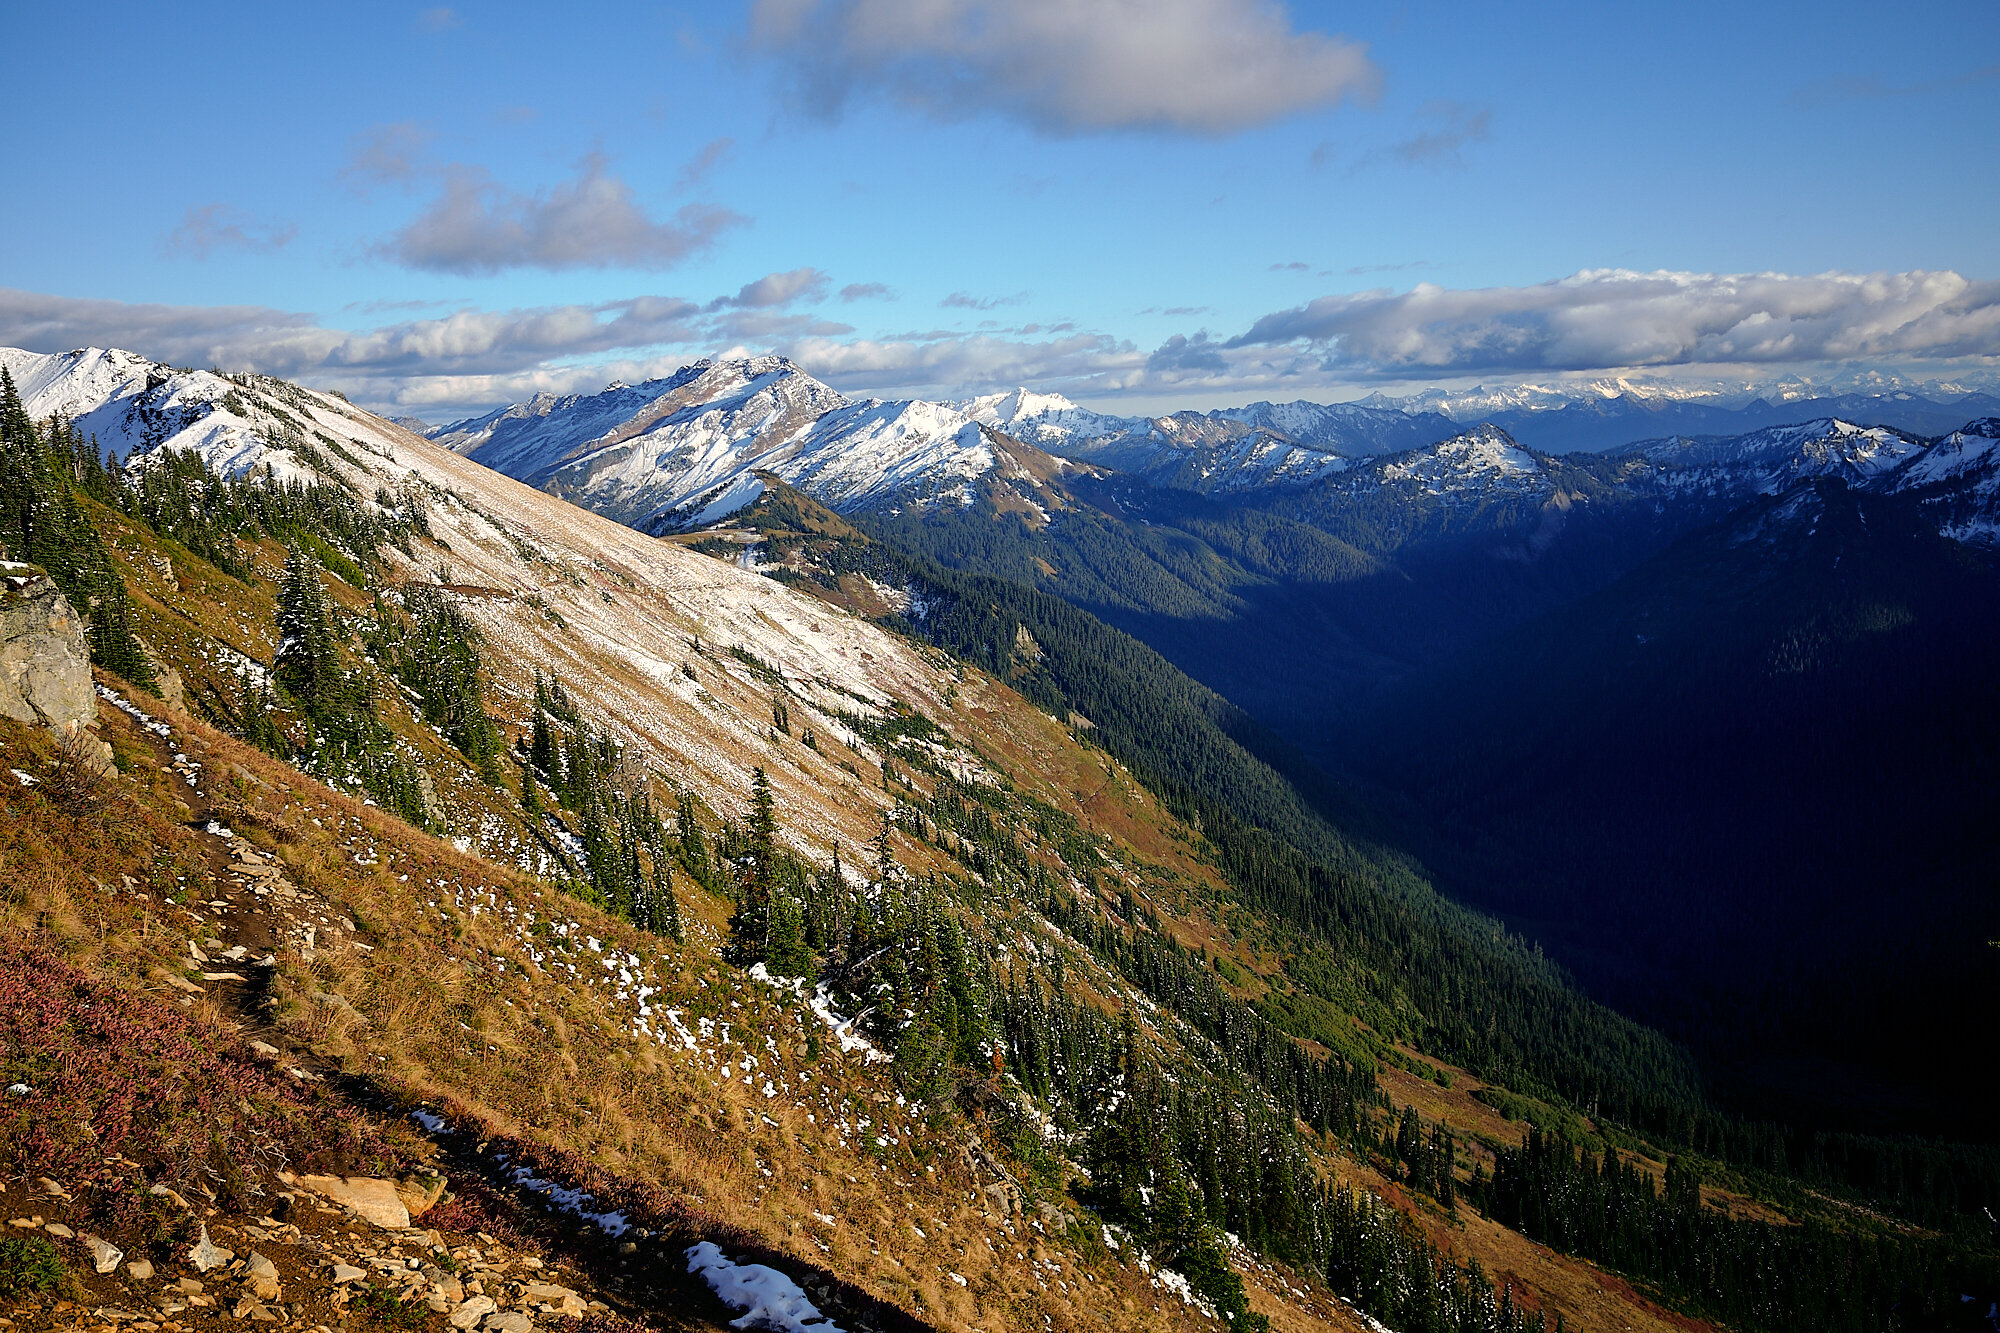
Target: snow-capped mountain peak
point(1828, 447)
point(133, 406)
point(1483, 456)
point(1047, 420)
point(684, 451)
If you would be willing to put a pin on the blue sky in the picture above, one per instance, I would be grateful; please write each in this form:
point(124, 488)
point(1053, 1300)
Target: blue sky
point(1170, 203)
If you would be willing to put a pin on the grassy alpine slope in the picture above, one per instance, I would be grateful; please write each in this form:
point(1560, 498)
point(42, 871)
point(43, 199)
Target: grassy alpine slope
point(1032, 1011)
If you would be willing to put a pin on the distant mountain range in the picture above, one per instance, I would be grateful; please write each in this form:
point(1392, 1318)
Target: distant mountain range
point(684, 452)
point(1266, 443)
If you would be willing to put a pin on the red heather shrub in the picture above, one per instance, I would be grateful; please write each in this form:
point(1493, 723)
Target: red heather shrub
point(474, 1207)
point(111, 1074)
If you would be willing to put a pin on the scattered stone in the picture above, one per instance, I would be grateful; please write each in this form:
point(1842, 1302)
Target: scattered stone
point(206, 1254)
point(141, 1269)
point(376, 1201)
point(55, 1190)
point(554, 1299)
point(420, 1194)
point(58, 1229)
point(103, 1254)
point(472, 1311)
point(265, 1049)
point(511, 1322)
point(190, 1286)
point(347, 1273)
point(263, 1277)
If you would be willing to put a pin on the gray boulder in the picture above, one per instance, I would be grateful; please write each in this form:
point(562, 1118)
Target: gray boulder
point(44, 660)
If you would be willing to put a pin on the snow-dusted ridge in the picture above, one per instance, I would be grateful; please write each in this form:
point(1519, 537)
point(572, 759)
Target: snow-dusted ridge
point(680, 452)
point(236, 423)
point(1956, 478)
point(640, 626)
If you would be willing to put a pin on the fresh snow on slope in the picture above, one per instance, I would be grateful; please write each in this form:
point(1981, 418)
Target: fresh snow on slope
point(1782, 454)
point(1957, 480)
point(133, 406)
point(768, 1299)
point(641, 626)
point(1048, 420)
point(1479, 459)
point(681, 452)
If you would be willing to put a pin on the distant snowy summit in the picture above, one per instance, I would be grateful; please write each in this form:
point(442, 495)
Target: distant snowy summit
point(684, 451)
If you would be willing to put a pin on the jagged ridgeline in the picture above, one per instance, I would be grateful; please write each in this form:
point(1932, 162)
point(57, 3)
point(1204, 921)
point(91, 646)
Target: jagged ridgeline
point(1184, 1034)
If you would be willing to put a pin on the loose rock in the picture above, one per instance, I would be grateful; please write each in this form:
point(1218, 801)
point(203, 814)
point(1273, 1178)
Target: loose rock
point(206, 1254)
point(472, 1311)
point(103, 1254)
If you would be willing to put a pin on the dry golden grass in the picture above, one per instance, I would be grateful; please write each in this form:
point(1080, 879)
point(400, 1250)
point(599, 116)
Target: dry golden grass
point(553, 1063)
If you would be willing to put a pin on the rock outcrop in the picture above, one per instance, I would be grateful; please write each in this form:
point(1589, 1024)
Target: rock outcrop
point(44, 659)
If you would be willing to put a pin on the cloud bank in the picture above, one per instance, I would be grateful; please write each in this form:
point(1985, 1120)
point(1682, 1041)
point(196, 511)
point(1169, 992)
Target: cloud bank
point(1063, 67)
point(1599, 321)
point(1613, 318)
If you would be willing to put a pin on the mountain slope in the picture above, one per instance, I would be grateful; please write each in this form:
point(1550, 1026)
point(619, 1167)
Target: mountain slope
point(1024, 888)
point(682, 452)
point(1039, 1002)
point(1957, 482)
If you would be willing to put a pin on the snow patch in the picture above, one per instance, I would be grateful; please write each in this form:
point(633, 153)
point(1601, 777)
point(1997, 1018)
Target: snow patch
point(768, 1299)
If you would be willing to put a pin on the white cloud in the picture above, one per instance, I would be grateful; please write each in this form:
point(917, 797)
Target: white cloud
point(422, 361)
point(954, 365)
point(1614, 318)
point(1065, 66)
point(478, 226)
point(214, 227)
point(776, 289)
point(467, 361)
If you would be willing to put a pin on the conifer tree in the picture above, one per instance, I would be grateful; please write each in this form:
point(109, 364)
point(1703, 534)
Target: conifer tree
point(307, 663)
point(750, 928)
